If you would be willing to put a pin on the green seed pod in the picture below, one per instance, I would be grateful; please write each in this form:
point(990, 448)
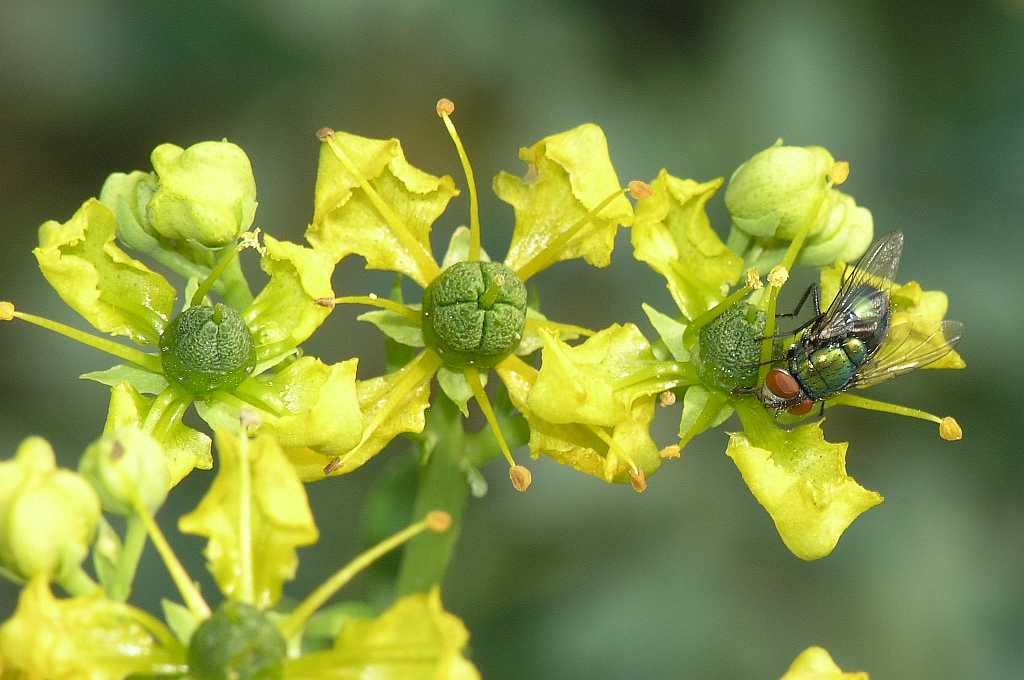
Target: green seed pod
point(238, 642)
point(474, 314)
point(730, 348)
point(778, 190)
point(206, 349)
point(126, 467)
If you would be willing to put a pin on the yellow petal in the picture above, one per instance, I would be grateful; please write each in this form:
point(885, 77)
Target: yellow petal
point(814, 663)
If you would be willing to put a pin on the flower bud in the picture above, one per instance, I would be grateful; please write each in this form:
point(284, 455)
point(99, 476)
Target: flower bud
point(474, 314)
point(845, 233)
point(777, 191)
point(239, 642)
point(126, 467)
point(48, 516)
point(730, 348)
point(206, 194)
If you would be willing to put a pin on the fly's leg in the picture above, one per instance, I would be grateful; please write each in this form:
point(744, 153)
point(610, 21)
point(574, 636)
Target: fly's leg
point(814, 292)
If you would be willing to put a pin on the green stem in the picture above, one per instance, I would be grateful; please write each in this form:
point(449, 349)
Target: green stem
point(228, 256)
point(442, 486)
point(131, 553)
point(79, 583)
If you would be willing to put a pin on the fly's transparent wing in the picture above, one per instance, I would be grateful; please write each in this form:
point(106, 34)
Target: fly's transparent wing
point(910, 344)
point(870, 278)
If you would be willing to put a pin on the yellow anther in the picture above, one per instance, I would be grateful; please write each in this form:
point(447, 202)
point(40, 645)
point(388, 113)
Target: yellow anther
point(251, 239)
point(778, 276)
point(445, 107)
point(640, 190)
point(324, 133)
point(638, 480)
point(521, 477)
point(667, 398)
point(753, 280)
point(250, 418)
point(438, 521)
point(839, 172)
point(6, 311)
point(670, 452)
point(950, 430)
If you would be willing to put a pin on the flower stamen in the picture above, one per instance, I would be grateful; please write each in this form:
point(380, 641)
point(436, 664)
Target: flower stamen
point(437, 521)
point(949, 428)
point(373, 301)
point(149, 362)
point(445, 109)
point(519, 475)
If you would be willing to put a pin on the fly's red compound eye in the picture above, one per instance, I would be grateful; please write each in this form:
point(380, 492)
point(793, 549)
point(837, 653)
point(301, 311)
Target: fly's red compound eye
point(782, 384)
point(803, 408)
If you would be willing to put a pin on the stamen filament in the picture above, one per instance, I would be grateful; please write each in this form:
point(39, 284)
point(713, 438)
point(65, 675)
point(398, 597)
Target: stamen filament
point(149, 362)
point(684, 372)
point(229, 254)
point(692, 332)
point(535, 324)
point(768, 345)
point(949, 429)
point(546, 257)
point(434, 521)
point(247, 589)
point(422, 256)
point(473, 378)
point(383, 303)
point(445, 108)
point(189, 592)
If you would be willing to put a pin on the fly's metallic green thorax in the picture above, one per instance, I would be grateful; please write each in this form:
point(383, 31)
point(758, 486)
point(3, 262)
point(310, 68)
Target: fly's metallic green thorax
point(206, 349)
point(474, 314)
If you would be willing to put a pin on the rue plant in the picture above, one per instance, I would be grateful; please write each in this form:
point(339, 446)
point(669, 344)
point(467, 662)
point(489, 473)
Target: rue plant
point(280, 419)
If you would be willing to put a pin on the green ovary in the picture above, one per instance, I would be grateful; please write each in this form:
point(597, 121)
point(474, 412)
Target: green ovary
point(730, 348)
point(237, 643)
point(474, 314)
point(206, 349)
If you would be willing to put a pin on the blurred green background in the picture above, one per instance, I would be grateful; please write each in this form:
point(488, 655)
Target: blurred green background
point(577, 579)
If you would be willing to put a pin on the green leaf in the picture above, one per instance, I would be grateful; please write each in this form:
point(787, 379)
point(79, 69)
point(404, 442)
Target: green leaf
point(391, 404)
point(569, 174)
point(345, 221)
point(185, 448)
point(669, 330)
point(632, 457)
point(206, 194)
point(800, 479)
point(581, 384)
point(416, 639)
point(673, 235)
point(398, 327)
point(112, 291)
point(142, 380)
point(86, 637)
point(456, 388)
point(180, 619)
point(285, 312)
point(280, 519)
point(703, 409)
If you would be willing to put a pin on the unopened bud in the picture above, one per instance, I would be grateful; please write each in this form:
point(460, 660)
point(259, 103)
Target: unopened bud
point(950, 430)
point(521, 477)
point(128, 469)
